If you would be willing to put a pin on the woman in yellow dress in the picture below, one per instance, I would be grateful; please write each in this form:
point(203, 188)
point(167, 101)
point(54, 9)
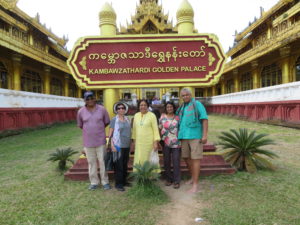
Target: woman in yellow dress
point(145, 133)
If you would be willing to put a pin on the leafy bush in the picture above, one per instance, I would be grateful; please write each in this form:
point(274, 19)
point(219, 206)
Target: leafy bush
point(145, 174)
point(62, 156)
point(145, 188)
point(243, 150)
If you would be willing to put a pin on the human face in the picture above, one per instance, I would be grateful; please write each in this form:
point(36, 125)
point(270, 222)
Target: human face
point(170, 109)
point(143, 107)
point(121, 110)
point(186, 97)
point(90, 101)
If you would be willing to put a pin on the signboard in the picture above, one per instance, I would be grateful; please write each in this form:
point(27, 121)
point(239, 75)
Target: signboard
point(147, 61)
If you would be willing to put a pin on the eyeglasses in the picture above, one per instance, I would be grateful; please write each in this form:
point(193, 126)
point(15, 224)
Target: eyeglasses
point(89, 99)
point(121, 108)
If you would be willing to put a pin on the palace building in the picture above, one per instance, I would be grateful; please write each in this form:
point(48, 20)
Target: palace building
point(33, 61)
point(32, 58)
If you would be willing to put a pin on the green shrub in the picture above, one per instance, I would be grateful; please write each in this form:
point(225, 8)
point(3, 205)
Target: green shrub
point(243, 150)
point(145, 174)
point(62, 156)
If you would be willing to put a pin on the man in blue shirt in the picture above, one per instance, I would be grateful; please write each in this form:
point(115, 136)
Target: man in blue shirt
point(193, 127)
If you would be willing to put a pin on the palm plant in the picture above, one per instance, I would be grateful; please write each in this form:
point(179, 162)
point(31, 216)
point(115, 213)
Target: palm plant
point(243, 150)
point(62, 156)
point(145, 174)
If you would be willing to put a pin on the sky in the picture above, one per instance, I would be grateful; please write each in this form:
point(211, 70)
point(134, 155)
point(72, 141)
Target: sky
point(78, 18)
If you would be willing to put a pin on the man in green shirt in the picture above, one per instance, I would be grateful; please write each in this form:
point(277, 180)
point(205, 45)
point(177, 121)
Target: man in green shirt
point(193, 128)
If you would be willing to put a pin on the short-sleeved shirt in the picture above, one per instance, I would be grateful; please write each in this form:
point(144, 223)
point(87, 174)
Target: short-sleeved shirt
point(125, 132)
point(188, 129)
point(93, 126)
point(169, 130)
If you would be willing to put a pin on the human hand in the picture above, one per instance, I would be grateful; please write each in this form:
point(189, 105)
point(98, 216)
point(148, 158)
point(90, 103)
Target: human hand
point(155, 146)
point(113, 148)
point(204, 140)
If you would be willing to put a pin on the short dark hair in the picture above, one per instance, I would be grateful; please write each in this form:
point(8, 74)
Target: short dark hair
point(143, 100)
point(170, 103)
point(120, 103)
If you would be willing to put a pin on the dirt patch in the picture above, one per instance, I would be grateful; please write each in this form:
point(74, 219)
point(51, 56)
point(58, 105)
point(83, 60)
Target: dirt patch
point(183, 207)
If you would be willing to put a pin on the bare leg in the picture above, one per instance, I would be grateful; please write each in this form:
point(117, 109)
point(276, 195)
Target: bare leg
point(188, 162)
point(195, 175)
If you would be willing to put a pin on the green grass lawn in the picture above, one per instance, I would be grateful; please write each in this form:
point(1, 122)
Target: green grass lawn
point(32, 191)
point(262, 198)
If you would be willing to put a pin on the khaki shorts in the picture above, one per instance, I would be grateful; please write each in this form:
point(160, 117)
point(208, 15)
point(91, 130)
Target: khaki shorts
point(191, 148)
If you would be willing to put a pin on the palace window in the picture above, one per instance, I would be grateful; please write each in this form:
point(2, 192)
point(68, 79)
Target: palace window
point(230, 86)
point(271, 75)
point(31, 81)
point(3, 76)
point(56, 87)
point(298, 70)
point(199, 92)
point(72, 90)
point(246, 82)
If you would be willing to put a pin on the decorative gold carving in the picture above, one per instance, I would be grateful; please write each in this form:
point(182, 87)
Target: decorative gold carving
point(149, 19)
point(8, 4)
point(285, 51)
point(254, 64)
point(83, 63)
point(211, 59)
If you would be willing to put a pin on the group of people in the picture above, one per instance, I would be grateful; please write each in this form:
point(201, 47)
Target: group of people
point(180, 133)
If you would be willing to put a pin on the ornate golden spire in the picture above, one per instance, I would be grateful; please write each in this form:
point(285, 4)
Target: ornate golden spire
point(148, 19)
point(107, 15)
point(185, 13)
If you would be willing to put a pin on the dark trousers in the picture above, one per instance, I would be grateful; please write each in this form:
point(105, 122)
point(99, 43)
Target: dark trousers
point(175, 155)
point(121, 168)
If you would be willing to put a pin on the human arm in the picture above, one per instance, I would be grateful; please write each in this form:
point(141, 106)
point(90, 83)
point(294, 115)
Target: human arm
point(111, 133)
point(106, 119)
point(79, 119)
point(204, 131)
point(156, 135)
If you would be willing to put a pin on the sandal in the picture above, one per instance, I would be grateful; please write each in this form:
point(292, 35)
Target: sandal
point(176, 186)
point(168, 183)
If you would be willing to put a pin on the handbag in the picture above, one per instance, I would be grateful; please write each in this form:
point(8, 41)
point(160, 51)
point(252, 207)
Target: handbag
point(154, 158)
point(108, 159)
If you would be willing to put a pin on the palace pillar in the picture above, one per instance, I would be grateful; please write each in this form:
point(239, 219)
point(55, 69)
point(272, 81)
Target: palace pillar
point(66, 85)
point(255, 75)
point(236, 80)
point(47, 70)
point(16, 58)
point(223, 87)
point(214, 90)
point(110, 97)
point(79, 92)
point(205, 92)
point(284, 53)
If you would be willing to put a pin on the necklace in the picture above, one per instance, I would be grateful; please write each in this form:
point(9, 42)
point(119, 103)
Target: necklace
point(142, 119)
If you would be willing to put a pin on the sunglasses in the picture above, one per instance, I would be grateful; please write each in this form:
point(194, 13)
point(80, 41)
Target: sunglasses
point(120, 108)
point(89, 99)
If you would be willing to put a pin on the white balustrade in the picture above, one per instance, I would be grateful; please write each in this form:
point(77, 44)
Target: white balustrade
point(23, 99)
point(282, 92)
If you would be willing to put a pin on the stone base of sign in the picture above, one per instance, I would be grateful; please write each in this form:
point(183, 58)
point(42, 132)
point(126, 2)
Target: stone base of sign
point(211, 164)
